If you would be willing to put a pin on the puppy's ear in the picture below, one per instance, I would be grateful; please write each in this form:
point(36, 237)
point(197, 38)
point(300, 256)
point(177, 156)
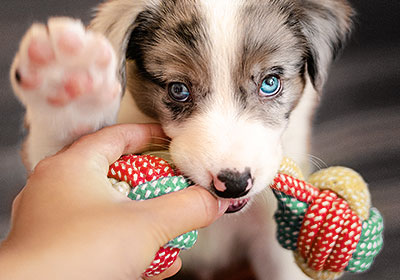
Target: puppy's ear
point(114, 19)
point(326, 25)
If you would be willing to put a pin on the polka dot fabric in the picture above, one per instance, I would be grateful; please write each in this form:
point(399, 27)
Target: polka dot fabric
point(327, 233)
point(142, 177)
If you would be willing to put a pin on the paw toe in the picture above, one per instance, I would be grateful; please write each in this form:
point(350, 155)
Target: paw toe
point(103, 58)
point(29, 80)
point(67, 36)
point(40, 51)
point(70, 43)
point(64, 63)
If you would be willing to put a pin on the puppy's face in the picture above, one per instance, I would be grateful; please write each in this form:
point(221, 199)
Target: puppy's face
point(222, 77)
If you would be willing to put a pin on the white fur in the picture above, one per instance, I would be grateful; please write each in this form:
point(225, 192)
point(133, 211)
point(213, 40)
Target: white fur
point(295, 140)
point(218, 138)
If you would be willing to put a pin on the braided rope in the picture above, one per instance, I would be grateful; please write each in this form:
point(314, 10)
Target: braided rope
point(327, 233)
point(370, 243)
point(146, 177)
point(328, 223)
point(163, 259)
point(161, 187)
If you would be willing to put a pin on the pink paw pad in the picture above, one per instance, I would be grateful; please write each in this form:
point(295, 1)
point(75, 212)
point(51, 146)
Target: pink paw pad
point(78, 83)
point(62, 62)
point(70, 43)
point(40, 52)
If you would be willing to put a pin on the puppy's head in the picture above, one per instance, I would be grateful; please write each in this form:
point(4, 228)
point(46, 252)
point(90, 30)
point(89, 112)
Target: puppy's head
point(223, 77)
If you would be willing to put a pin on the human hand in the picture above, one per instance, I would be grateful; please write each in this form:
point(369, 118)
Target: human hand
point(68, 222)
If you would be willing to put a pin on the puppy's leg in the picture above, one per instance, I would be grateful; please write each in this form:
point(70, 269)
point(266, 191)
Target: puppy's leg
point(67, 79)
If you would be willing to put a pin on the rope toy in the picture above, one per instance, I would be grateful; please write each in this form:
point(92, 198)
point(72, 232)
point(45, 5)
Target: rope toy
point(328, 222)
point(145, 177)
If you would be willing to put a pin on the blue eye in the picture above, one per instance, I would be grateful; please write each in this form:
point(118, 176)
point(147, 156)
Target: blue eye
point(179, 92)
point(270, 86)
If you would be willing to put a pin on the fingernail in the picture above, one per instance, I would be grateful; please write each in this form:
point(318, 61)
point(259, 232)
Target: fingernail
point(223, 205)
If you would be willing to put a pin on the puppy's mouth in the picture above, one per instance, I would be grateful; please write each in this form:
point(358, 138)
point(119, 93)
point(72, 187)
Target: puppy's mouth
point(236, 205)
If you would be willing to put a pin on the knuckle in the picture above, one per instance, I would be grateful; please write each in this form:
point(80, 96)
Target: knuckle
point(43, 166)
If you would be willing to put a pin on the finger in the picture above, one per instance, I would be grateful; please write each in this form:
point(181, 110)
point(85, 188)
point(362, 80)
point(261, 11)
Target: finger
point(16, 203)
point(112, 142)
point(172, 270)
point(180, 212)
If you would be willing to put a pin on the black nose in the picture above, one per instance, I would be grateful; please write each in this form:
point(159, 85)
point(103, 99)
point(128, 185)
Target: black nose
point(232, 184)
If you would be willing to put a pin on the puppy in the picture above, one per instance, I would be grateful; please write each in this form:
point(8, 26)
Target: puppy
point(233, 83)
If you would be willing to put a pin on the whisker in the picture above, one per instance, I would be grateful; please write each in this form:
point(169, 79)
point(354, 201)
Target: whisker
point(162, 138)
point(157, 153)
point(163, 146)
point(317, 162)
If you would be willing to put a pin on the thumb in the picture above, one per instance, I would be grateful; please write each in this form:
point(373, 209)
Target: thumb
point(180, 212)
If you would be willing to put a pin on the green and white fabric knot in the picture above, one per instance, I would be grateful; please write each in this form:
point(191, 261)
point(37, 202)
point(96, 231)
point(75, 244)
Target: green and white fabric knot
point(370, 243)
point(161, 187)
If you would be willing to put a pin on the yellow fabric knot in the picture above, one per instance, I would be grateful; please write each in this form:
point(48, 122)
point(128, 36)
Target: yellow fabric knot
point(348, 184)
point(289, 167)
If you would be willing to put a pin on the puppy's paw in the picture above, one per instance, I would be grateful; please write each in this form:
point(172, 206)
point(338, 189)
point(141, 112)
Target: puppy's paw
point(67, 78)
point(61, 64)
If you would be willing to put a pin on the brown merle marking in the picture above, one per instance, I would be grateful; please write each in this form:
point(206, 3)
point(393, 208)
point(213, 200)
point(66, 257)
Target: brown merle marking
point(271, 44)
point(169, 43)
